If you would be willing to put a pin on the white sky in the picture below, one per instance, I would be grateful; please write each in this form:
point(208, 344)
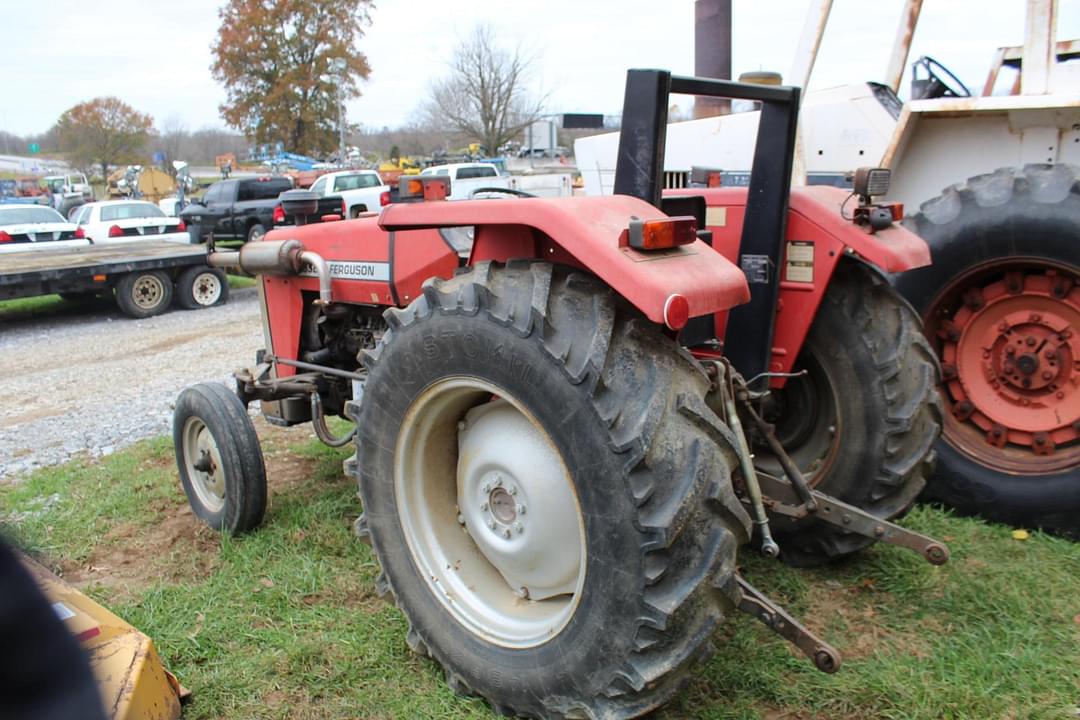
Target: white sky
point(154, 54)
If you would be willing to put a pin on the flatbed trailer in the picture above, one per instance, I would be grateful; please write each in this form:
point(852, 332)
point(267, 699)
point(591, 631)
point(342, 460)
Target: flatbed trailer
point(145, 277)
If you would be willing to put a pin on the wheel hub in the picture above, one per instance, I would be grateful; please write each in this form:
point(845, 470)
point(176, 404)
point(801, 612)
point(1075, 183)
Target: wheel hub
point(516, 501)
point(147, 293)
point(1011, 364)
point(204, 466)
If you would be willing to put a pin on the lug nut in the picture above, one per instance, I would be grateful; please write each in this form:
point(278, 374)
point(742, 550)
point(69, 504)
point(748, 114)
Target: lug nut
point(461, 519)
point(519, 509)
point(506, 533)
point(1030, 341)
point(513, 490)
point(522, 592)
point(491, 524)
point(519, 528)
point(483, 506)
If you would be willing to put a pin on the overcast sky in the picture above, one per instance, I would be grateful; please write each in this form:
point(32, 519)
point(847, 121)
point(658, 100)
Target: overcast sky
point(154, 54)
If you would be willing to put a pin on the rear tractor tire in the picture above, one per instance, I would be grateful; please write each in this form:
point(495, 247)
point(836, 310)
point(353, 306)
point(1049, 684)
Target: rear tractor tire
point(219, 458)
point(862, 423)
point(1002, 309)
point(547, 493)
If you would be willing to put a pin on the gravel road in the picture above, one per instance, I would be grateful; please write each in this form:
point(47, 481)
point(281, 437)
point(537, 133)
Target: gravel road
point(90, 380)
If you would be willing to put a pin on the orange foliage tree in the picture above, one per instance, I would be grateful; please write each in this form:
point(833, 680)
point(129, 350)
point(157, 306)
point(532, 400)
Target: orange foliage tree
point(104, 131)
point(275, 59)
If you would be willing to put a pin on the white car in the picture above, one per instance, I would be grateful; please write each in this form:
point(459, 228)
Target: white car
point(467, 178)
point(27, 228)
point(126, 221)
point(362, 190)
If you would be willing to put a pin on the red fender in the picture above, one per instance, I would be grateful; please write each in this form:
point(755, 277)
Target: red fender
point(818, 232)
point(585, 231)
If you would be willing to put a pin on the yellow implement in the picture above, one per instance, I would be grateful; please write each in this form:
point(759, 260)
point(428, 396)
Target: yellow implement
point(132, 681)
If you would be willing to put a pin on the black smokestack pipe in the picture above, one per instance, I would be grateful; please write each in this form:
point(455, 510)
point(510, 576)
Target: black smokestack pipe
point(712, 51)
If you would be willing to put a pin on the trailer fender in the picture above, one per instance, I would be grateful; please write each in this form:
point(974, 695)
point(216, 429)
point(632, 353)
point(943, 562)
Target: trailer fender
point(585, 232)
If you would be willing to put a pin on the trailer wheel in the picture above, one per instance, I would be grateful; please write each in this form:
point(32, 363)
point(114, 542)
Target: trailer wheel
point(201, 287)
point(547, 493)
point(144, 294)
point(219, 458)
point(863, 421)
point(1002, 309)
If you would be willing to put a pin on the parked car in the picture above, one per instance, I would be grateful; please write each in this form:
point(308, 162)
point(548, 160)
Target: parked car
point(123, 221)
point(241, 209)
point(362, 190)
point(467, 178)
point(27, 227)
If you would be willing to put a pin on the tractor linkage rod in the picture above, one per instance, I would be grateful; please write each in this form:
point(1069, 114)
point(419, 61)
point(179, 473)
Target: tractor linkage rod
point(752, 601)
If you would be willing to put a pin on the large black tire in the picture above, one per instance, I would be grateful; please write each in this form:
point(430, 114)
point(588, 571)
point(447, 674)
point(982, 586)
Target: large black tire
point(211, 424)
point(1013, 219)
point(650, 465)
point(143, 294)
point(874, 378)
point(201, 287)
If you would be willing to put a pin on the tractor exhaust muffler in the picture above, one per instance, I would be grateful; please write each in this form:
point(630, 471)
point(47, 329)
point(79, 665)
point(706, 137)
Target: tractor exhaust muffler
point(276, 257)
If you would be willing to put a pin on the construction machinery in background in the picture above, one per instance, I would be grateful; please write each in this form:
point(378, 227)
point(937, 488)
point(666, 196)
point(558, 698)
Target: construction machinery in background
point(992, 183)
point(558, 458)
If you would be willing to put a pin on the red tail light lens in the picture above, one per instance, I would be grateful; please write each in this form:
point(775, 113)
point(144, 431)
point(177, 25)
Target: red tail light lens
point(4, 237)
point(79, 232)
point(384, 198)
point(662, 234)
point(116, 231)
point(181, 226)
point(344, 209)
point(279, 215)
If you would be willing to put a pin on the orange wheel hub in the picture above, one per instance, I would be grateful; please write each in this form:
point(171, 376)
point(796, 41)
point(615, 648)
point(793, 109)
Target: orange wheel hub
point(1009, 342)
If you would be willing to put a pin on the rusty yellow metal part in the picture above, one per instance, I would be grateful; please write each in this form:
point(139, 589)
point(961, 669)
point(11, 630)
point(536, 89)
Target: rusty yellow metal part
point(132, 681)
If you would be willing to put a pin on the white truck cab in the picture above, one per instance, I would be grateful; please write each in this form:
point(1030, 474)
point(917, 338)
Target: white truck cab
point(467, 178)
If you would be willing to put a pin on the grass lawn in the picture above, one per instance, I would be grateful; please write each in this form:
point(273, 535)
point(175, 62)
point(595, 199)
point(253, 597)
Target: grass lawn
point(41, 305)
point(284, 622)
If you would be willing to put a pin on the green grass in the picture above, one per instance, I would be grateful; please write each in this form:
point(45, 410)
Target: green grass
point(284, 623)
point(43, 305)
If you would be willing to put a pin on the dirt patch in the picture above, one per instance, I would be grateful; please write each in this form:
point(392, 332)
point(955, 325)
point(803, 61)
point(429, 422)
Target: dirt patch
point(174, 548)
point(39, 414)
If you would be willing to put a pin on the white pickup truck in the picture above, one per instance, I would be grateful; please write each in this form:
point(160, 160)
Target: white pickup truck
point(362, 190)
point(467, 178)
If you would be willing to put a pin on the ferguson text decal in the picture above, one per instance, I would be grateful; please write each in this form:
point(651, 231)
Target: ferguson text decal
point(348, 270)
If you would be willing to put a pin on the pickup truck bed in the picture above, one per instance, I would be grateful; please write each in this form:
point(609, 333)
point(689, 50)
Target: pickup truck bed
point(96, 268)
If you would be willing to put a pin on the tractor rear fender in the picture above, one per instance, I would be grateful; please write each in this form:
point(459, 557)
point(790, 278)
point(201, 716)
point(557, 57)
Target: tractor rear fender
point(585, 232)
point(817, 238)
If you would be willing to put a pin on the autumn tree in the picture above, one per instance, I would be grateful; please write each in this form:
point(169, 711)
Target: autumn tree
point(281, 61)
point(486, 95)
point(103, 131)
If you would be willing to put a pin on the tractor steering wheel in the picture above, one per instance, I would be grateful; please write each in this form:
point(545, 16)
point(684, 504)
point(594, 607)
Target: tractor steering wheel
point(936, 84)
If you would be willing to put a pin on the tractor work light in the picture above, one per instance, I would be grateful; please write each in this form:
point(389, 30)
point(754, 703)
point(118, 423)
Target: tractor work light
point(870, 182)
point(662, 234)
point(423, 187)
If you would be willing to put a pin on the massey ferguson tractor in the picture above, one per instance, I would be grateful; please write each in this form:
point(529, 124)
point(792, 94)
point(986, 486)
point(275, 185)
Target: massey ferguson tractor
point(570, 414)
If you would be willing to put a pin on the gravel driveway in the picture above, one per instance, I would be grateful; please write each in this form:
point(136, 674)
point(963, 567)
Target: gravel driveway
point(89, 380)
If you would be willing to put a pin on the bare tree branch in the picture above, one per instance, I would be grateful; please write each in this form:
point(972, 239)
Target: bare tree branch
point(485, 94)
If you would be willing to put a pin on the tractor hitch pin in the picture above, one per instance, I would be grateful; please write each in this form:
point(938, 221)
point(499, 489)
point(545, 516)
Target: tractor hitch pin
point(795, 477)
point(769, 548)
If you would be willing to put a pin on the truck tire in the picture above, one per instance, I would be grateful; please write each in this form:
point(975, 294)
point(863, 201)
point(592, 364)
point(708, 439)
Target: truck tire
point(219, 458)
point(1006, 274)
point(143, 294)
point(863, 421)
point(201, 287)
point(255, 232)
point(576, 436)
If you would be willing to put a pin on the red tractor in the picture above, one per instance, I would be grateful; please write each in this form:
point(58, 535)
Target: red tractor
point(571, 413)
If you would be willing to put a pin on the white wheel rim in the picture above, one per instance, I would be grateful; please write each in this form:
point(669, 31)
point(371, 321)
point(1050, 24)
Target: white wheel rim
point(206, 289)
point(257, 235)
point(147, 292)
point(489, 513)
point(200, 449)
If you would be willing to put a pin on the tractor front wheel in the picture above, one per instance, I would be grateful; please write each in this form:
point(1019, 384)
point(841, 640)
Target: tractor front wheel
point(862, 421)
point(547, 493)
